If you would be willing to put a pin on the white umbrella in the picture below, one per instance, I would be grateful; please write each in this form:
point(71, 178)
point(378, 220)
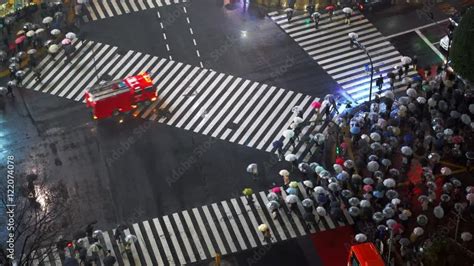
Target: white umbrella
point(321, 211)
point(353, 35)
point(308, 183)
point(97, 233)
point(288, 134)
point(347, 10)
point(30, 33)
point(360, 238)
point(307, 202)
point(262, 228)
point(412, 92)
point(334, 186)
point(375, 136)
point(54, 48)
point(38, 31)
point(291, 199)
point(466, 236)
point(388, 212)
point(47, 20)
point(71, 35)
point(465, 119)
point(296, 109)
point(386, 162)
point(272, 196)
point(31, 51)
point(368, 181)
point(349, 164)
point(405, 60)
point(252, 169)
point(284, 172)
point(354, 201)
point(319, 138)
point(290, 157)
point(391, 223)
point(55, 32)
point(422, 219)
point(389, 182)
point(448, 132)
point(324, 174)
point(288, 9)
point(421, 100)
point(446, 171)
point(471, 108)
point(373, 166)
point(131, 239)
point(438, 212)
point(418, 231)
point(319, 189)
point(365, 203)
point(389, 94)
point(396, 201)
point(407, 151)
point(273, 205)
point(354, 211)
point(378, 217)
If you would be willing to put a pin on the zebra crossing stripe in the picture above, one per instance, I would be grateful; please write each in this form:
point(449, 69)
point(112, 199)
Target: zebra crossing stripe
point(141, 241)
point(252, 218)
point(185, 239)
point(133, 250)
point(224, 228)
point(305, 195)
point(163, 241)
point(244, 224)
point(108, 243)
point(235, 228)
point(214, 231)
point(174, 240)
point(279, 228)
point(194, 235)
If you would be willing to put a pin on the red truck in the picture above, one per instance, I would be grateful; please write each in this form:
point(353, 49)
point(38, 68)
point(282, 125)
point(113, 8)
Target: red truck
point(120, 96)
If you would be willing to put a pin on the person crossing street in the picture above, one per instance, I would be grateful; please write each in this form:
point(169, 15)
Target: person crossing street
point(379, 82)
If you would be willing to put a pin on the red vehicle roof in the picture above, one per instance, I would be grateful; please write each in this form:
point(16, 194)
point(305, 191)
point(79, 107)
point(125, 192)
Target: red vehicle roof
point(368, 255)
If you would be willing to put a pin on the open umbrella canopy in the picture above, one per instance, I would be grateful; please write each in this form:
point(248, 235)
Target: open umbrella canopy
point(47, 20)
point(273, 205)
point(346, 193)
point(20, 39)
point(422, 219)
point(53, 48)
point(389, 182)
point(466, 236)
point(32, 51)
point(247, 191)
point(20, 73)
point(284, 172)
point(131, 239)
point(360, 238)
point(290, 157)
point(308, 183)
point(55, 32)
point(378, 217)
point(263, 228)
point(288, 134)
point(446, 171)
point(405, 60)
point(292, 191)
point(337, 168)
point(355, 130)
point(321, 211)
point(307, 202)
point(354, 201)
point(365, 203)
point(71, 35)
point(30, 33)
point(272, 196)
point(276, 190)
point(354, 211)
point(407, 151)
point(319, 189)
point(38, 31)
point(334, 186)
point(291, 199)
point(373, 166)
point(316, 105)
point(329, 7)
point(252, 169)
point(66, 41)
point(347, 10)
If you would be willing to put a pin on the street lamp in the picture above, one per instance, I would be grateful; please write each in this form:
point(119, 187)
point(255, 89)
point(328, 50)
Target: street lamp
point(353, 38)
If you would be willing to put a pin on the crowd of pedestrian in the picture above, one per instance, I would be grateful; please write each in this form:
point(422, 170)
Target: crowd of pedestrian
point(28, 38)
point(393, 172)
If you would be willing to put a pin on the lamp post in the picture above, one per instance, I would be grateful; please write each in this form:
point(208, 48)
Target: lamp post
point(353, 38)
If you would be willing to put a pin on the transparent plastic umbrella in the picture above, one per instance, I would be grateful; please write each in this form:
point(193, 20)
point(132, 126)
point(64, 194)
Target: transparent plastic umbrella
point(360, 238)
point(291, 199)
point(284, 172)
point(131, 239)
point(55, 32)
point(47, 20)
point(272, 196)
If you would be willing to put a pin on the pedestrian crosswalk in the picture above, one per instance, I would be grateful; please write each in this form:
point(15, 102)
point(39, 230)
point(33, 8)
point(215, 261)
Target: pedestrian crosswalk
point(195, 99)
point(225, 227)
point(100, 9)
point(329, 46)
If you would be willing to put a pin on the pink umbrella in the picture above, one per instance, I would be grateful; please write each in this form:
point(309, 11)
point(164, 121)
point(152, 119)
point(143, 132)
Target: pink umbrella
point(457, 139)
point(316, 105)
point(20, 39)
point(66, 41)
point(276, 190)
point(368, 188)
point(330, 7)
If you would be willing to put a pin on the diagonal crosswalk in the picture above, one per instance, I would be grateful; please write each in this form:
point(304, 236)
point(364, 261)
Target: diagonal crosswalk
point(226, 227)
point(195, 99)
point(101, 9)
point(329, 46)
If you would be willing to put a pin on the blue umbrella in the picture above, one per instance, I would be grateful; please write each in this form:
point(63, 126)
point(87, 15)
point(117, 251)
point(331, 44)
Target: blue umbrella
point(292, 191)
point(277, 144)
point(342, 176)
point(355, 130)
point(378, 194)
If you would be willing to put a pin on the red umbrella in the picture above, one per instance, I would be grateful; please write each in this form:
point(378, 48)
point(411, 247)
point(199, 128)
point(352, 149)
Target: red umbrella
point(20, 39)
point(330, 7)
point(340, 161)
point(316, 105)
point(368, 188)
point(457, 139)
point(276, 190)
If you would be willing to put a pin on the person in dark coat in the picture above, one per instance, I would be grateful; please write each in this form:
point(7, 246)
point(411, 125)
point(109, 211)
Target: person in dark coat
point(109, 260)
point(400, 73)
point(379, 82)
point(10, 90)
